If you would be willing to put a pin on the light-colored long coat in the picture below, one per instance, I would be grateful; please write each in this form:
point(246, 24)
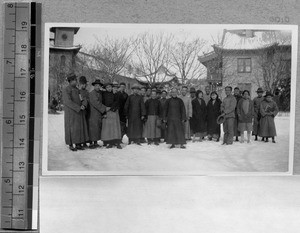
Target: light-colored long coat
point(75, 122)
point(268, 111)
point(96, 111)
point(228, 106)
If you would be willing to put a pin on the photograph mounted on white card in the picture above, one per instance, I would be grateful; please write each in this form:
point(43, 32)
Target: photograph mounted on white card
point(169, 99)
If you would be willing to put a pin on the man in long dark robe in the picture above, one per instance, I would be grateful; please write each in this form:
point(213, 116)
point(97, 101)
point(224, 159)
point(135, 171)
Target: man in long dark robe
point(163, 100)
point(135, 111)
point(175, 117)
point(84, 97)
point(238, 97)
point(97, 110)
point(111, 128)
point(154, 114)
point(122, 97)
point(75, 124)
point(256, 102)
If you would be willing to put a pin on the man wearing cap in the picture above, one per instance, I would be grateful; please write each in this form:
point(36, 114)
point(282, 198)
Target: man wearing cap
point(115, 87)
point(228, 111)
point(175, 117)
point(135, 111)
point(122, 95)
point(75, 123)
point(84, 97)
point(189, 111)
point(256, 103)
point(192, 93)
point(97, 110)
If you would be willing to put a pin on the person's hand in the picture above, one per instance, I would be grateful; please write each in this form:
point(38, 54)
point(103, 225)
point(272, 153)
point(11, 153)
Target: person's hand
point(107, 109)
point(82, 107)
point(105, 116)
point(142, 118)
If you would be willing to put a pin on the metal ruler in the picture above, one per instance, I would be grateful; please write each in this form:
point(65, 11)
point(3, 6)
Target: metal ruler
point(20, 151)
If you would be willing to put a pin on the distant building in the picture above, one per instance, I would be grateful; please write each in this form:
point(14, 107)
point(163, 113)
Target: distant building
point(244, 60)
point(61, 57)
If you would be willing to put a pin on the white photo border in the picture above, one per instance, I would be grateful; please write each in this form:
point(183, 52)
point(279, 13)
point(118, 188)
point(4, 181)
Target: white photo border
point(46, 172)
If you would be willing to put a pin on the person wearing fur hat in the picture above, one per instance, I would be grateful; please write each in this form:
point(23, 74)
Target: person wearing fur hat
point(268, 111)
point(76, 132)
point(256, 103)
point(98, 109)
point(135, 112)
point(111, 128)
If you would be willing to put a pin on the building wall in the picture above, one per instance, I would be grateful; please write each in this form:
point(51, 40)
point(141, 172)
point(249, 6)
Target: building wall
point(231, 76)
point(64, 37)
point(59, 70)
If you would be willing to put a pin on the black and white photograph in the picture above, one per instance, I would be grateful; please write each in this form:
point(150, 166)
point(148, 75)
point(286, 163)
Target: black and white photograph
point(169, 99)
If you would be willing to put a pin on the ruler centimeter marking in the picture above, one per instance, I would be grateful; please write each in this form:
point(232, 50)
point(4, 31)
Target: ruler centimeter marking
point(19, 170)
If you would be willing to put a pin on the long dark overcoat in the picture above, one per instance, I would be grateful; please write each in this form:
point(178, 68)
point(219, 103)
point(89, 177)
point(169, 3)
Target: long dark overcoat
point(175, 114)
point(199, 116)
point(84, 96)
point(268, 111)
point(96, 111)
point(213, 111)
point(256, 103)
point(75, 123)
point(236, 119)
point(134, 109)
point(122, 97)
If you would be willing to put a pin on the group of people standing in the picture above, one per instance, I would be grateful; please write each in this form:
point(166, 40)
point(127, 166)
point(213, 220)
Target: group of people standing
point(150, 115)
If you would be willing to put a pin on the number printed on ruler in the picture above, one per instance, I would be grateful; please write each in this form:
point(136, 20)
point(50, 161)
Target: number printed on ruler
point(16, 115)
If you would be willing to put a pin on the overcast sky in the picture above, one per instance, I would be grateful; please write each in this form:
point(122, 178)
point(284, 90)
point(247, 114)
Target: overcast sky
point(86, 36)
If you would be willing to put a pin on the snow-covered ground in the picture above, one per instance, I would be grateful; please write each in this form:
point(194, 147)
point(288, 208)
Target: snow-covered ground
point(206, 156)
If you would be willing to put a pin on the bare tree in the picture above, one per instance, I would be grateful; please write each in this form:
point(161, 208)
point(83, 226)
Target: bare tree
point(184, 60)
point(110, 56)
point(276, 61)
point(151, 58)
